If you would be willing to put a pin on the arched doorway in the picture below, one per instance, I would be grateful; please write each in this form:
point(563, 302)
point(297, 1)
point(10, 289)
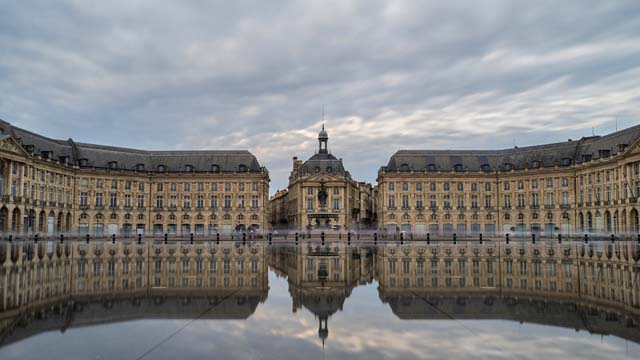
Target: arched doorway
point(581, 222)
point(15, 220)
point(67, 225)
point(616, 222)
point(4, 215)
point(589, 222)
point(51, 221)
point(42, 218)
point(633, 220)
point(607, 221)
point(60, 224)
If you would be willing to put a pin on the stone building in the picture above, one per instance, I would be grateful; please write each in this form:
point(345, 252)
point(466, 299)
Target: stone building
point(322, 195)
point(579, 186)
point(53, 186)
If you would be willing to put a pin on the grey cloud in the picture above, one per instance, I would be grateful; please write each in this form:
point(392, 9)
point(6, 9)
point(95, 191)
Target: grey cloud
point(256, 75)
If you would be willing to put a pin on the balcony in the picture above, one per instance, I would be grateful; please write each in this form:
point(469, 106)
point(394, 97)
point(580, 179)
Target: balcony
point(419, 207)
point(405, 208)
point(128, 208)
point(433, 207)
point(255, 208)
point(549, 207)
point(535, 206)
point(391, 208)
point(565, 206)
point(506, 208)
point(488, 208)
point(114, 207)
point(140, 208)
point(158, 208)
point(460, 208)
point(99, 207)
point(84, 207)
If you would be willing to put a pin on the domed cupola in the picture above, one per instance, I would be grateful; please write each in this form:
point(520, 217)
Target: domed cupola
point(323, 138)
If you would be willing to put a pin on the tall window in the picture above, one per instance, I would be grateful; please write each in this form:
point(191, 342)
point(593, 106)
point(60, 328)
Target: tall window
point(336, 203)
point(392, 201)
point(99, 199)
point(254, 201)
point(140, 201)
point(159, 201)
point(113, 199)
point(227, 201)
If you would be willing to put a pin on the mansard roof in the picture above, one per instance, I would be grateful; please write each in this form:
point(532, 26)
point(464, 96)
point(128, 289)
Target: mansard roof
point(547, 155)
point(323, 162)
point(101, 156)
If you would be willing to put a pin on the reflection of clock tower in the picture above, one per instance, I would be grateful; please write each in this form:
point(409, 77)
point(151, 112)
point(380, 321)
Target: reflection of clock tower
point(321, 194)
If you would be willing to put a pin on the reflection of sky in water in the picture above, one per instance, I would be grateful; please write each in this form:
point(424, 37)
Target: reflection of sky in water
point(366, 328)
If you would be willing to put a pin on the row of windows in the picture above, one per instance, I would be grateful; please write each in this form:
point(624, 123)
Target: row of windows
point(172, 201)
point(185, 186)
point(460, 201)
point(447, 186)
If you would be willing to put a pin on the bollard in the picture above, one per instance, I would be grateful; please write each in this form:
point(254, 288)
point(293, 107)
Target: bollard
point(533, 238)
point(375, 238)
point(613, 238)
point(166, 238)
point(269, 238)
point(358, 236)
point(61, 239)
point(191, 238)
point(217, 238)
point(35, 238)
point(87, 238)
point(480, 238)
point(296, 238)
point(428, 239)
point(10, 238)
point(322, 237)
point(139, 239)
point(507, 236)
point(339, 236)
point(401, 238)
point(638, 239)
point(349, 237)
point(244, 238)
point(586, 238)
point(559, 238)
point(113, 238)
point(454, 238)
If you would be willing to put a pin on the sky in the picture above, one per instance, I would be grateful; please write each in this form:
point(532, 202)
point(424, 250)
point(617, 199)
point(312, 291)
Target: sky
point(257, 75)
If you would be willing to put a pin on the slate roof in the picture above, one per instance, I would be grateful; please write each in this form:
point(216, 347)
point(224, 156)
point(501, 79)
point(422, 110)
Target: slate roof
point(323, 162)
point(547, 155)
point(100, 156)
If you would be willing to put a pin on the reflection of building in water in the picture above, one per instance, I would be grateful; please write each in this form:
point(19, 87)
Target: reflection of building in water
point(321, 278)
point(491, 281)
point(100, 282)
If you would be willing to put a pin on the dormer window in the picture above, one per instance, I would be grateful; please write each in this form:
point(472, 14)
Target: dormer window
point(329, 169)
point(188, 168)
point(215, 168)
point(139, 167)
point(535, 164)
point(404, 167)
point(508, 167)
point(29, 148)
point(242, 168)
point(566, 162)
point(622, 147)
point(63, 159)
point(83, 162)
point(604, 153)
point(113, 165)
point(485, 167)
point(458, 168)
point(431, 167)
point(586, 157)
point(46, 154)
point(162, 168)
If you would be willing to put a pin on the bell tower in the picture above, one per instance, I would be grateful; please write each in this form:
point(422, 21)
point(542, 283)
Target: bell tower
point(323, 138)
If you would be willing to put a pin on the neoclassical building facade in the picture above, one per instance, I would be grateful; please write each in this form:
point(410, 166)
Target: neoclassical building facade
point(53, 186)
point(581, 186)
point(322, 195)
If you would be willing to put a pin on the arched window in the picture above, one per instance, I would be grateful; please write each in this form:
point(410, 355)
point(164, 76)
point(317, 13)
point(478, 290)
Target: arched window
point(404, 167)
point(172, 217)
point(127, 216)
point(140, 217)
point(185, 217)
point(114, 216)
point(113, 165)
point(84, 216)
point(240, 217)
point(431, 167)
point(485, 167)
point(98, 216)
point(406, 217)
point(392, 216)
point(458, 168)
point(242, 168)
point(139, 167)
point(162, 168)
point(508, 167)
point(158, 217)
point(226, 217)
point(215, 168)
point(188, 168)
point(535, 164)
point(507, 217)
point(254, 217)
point(199, 217)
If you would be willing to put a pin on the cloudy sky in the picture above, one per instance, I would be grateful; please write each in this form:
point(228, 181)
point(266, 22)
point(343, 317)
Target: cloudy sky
point(256, 74)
